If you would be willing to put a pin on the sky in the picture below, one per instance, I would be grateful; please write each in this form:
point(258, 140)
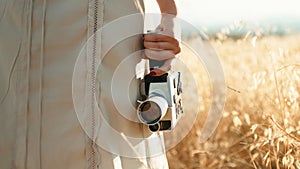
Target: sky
point(212, 12)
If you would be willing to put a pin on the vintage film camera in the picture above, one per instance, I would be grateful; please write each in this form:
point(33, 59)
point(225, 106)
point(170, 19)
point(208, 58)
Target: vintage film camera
point(161, 106)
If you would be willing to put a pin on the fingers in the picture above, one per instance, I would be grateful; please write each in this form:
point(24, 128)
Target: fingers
point(159, 54)
point(155, 37)
point(162, 46)
point(161, 42)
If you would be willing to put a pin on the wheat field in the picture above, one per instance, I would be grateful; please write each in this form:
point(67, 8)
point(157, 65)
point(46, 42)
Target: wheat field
point(260, 127)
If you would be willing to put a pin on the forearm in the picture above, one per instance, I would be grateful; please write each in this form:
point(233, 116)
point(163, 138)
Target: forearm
point(167, 6)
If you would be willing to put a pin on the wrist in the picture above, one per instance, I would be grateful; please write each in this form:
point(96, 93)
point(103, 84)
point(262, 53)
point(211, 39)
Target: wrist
point(167, 22)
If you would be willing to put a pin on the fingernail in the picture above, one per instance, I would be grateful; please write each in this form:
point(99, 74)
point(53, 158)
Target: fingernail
point(152, 73)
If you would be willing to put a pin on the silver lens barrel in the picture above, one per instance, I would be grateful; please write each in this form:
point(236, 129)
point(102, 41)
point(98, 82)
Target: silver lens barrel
point(152, 110)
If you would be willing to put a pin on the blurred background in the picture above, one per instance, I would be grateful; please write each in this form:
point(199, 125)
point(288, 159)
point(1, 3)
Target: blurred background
point(270, 16)
point(258, 44)
point(274, 16)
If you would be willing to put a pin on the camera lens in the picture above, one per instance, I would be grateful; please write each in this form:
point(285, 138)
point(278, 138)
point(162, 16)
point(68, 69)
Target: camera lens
point(150, 112)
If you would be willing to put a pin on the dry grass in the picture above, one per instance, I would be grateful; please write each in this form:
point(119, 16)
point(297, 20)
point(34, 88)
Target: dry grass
point(260, 127)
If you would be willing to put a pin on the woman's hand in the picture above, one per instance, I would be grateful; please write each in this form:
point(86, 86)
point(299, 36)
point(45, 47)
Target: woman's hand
point(162, 45)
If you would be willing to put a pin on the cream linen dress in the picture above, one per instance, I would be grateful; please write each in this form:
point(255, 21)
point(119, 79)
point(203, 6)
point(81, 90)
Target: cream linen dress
point(39, 43)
